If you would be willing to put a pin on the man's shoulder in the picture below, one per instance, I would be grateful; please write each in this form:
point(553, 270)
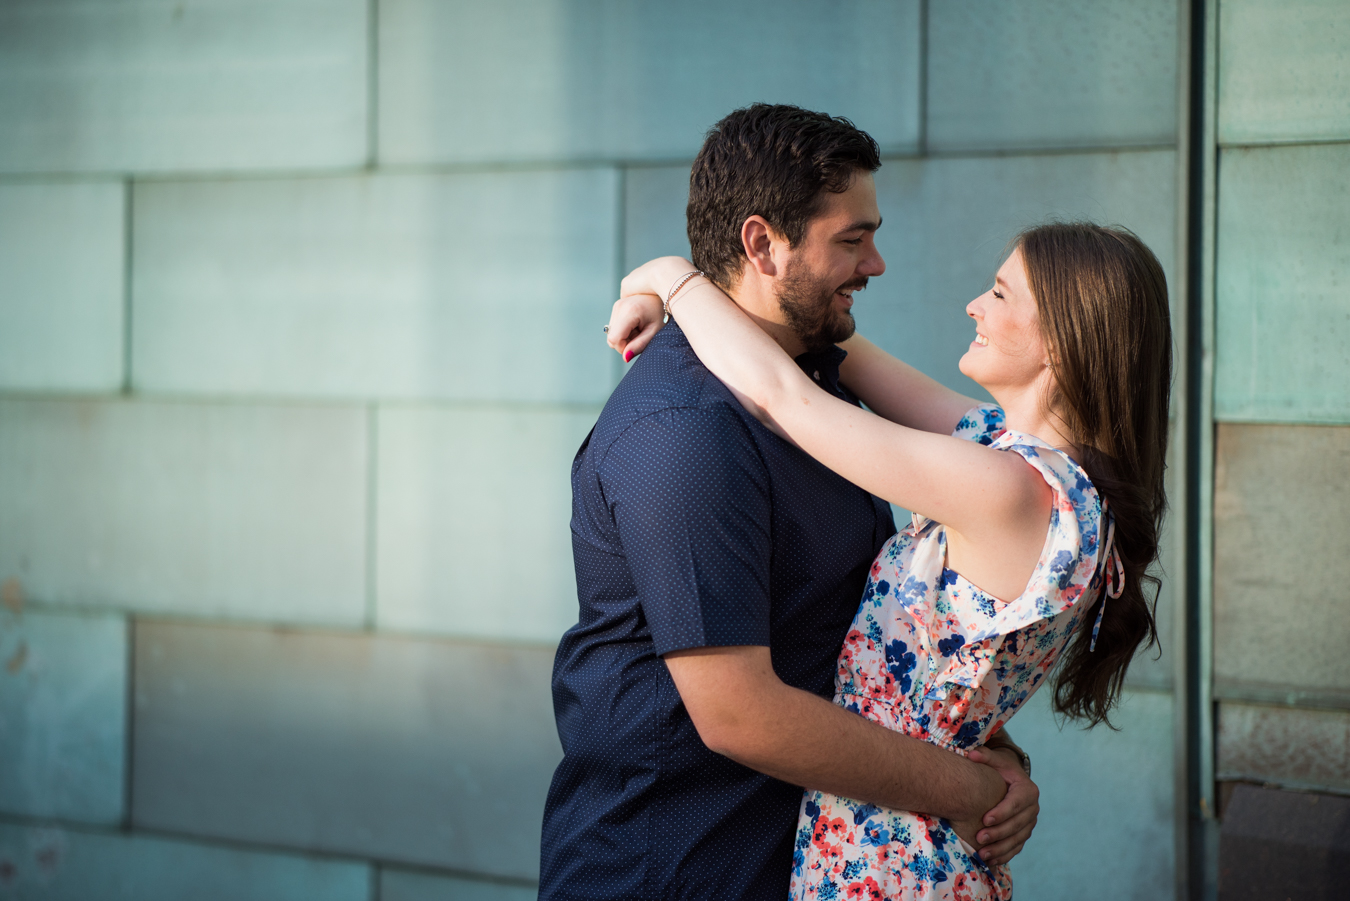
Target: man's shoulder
point(668, 386)
point(668, 377)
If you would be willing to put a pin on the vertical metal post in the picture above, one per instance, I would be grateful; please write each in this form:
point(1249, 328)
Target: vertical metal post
point(1197, 826)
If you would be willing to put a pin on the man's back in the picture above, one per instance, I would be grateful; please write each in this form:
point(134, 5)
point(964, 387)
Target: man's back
point(693, 526)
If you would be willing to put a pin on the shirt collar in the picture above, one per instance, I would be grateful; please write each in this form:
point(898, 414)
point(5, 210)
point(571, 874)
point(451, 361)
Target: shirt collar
point(823, 367)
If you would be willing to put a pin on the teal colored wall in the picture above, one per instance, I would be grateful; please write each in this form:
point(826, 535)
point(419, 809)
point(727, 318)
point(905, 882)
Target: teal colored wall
point(1282, 395)
point(300, 308)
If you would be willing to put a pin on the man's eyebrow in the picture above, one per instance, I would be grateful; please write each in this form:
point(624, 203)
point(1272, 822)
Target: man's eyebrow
point(866, 225)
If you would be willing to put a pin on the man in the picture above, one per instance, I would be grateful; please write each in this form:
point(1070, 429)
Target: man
point(719, 569)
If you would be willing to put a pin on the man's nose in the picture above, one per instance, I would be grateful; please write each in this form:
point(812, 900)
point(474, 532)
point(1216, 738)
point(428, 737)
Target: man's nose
point(872, 265)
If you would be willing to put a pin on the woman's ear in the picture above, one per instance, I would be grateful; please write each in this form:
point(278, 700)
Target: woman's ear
point(757, 238)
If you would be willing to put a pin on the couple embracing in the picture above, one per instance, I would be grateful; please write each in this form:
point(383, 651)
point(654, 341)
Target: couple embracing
point(770, 692)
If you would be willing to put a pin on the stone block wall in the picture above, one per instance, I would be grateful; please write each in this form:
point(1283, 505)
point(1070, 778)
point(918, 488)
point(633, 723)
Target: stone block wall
point(300, 309)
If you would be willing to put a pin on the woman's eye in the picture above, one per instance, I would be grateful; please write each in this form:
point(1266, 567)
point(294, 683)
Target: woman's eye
point(998, 295)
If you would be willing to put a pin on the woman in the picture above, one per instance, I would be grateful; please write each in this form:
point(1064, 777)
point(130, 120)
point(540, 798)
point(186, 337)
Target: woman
point(1035, 520)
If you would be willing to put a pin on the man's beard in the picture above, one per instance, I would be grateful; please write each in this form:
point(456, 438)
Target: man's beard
point(808, 307)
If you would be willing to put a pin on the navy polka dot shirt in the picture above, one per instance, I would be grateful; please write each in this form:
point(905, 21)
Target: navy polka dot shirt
point(692, 526)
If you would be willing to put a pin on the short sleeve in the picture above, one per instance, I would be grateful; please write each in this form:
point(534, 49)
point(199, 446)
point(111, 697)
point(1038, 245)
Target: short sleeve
point(1064, 574)
point(690, 498)
point(1070, 558)
point(982, 424)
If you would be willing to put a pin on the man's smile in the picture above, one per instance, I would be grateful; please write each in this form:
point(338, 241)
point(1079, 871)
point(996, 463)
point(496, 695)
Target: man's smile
point(845, 291)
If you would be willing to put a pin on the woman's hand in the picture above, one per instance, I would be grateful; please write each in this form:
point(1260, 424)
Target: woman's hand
point(633, 322)
point(637, 314)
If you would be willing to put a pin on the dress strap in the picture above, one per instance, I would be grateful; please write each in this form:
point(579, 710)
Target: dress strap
point(1111, 588)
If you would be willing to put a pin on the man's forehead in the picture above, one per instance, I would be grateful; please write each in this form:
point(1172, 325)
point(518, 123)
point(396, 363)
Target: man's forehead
point(853, 209)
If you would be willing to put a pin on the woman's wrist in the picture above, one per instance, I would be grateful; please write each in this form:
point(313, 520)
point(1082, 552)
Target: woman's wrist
point(672, 270)
point(684, 283)
point(655, 276)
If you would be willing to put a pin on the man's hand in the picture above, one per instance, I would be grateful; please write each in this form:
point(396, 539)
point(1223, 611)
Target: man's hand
point(1009, 824)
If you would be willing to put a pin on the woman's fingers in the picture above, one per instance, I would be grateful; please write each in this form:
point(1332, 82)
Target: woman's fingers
point(638, 343)
point(625, 319)
point(633, 321)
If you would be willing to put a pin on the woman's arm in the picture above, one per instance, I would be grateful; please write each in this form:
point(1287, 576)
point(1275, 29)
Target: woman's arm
point(996, 504)
point(894, 390)
point(890, 387)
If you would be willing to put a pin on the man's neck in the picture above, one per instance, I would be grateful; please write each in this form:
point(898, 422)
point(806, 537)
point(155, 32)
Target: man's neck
point(756, 297)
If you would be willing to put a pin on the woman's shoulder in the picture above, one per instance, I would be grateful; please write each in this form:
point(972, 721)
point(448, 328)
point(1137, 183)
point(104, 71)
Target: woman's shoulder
point(1069, 560)
point(1062, 473)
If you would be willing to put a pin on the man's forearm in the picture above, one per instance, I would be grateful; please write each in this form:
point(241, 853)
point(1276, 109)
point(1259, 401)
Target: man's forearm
point(744, 711)
point(808, 741)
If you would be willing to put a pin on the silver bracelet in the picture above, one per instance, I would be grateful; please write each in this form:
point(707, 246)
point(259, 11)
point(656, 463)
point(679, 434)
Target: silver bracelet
point(675, 289)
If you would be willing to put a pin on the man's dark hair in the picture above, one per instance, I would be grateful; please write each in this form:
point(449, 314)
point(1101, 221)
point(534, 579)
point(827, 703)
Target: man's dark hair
point(773, 161)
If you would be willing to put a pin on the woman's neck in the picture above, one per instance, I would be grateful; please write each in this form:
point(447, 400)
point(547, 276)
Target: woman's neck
point(1024, 411)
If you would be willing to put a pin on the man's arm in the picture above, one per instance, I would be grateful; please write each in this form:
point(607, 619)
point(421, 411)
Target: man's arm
point(742, 710)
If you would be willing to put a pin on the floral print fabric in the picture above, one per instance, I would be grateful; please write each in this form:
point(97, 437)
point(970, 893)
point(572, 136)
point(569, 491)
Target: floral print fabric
point(934, 657)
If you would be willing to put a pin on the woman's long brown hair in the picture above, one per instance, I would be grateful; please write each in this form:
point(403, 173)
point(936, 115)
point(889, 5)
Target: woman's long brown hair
point(1102, 300)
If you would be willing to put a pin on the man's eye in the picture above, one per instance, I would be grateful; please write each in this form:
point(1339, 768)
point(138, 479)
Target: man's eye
point(854, 241)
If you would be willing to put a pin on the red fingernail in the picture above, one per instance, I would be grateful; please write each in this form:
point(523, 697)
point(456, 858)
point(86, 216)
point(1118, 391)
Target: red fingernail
point(627, 355)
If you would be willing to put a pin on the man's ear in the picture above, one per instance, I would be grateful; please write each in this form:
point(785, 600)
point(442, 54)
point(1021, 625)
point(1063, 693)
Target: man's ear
point(758, 239)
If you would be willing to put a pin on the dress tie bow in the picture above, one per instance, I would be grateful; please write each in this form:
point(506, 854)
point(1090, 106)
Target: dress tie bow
point(1112, 587)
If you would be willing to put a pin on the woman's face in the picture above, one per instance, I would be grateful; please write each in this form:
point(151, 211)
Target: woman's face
point(1008, 352)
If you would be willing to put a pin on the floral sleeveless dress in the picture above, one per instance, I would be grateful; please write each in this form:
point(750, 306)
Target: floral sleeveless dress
point(934, 657)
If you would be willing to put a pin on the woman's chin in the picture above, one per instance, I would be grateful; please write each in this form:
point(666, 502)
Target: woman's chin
point(972, 371)
point(965, 366)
